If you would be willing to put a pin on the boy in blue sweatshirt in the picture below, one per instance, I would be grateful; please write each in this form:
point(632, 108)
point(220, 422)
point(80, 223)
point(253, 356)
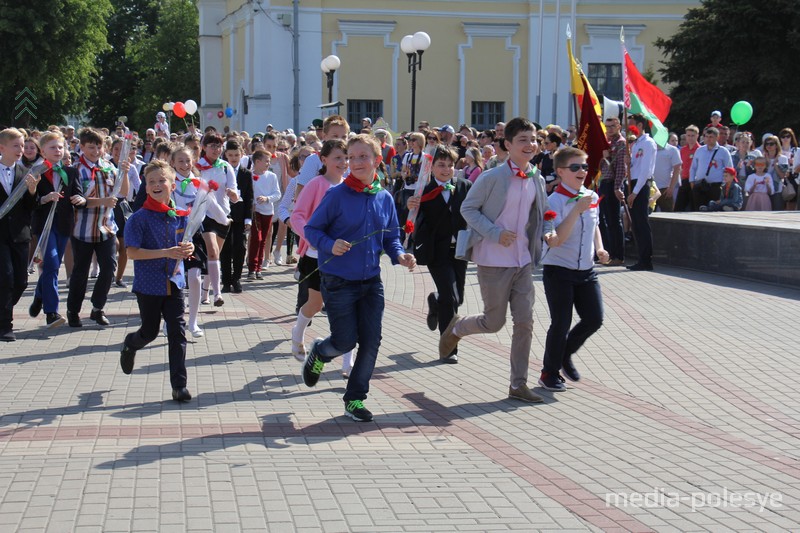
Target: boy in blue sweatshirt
point(353, 224)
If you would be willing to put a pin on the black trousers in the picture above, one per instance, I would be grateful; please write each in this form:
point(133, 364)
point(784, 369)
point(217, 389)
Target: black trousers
point(289, 238)
point(233, 252)
point(171, 308)
point(704, 192)
point(641, 225)
point(684, 200)
point(565, 288)
point(610, 221)
point(449, 279)
point(13, 279)
point(107, 261)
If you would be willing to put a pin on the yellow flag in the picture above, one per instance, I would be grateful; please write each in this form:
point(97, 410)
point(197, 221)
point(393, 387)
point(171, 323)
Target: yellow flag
point(576, 81)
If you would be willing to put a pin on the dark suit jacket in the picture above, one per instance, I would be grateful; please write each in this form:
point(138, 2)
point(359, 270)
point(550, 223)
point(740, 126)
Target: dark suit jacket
point(64, 219)
point(244, 208)
point(15, 227)
point(438, 222)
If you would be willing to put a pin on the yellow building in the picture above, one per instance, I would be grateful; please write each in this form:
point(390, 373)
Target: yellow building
point(488, 60)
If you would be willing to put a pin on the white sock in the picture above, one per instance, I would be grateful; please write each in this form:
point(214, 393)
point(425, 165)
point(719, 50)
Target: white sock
point(214, 274)
point(299, 329)
point(347, 360)
point(194, 297)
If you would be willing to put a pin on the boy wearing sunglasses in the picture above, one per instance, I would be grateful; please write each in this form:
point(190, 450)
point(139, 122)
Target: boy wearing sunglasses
point(568, 269)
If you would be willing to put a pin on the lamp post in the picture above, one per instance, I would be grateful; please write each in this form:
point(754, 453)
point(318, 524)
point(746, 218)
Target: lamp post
point(329, 66)
point(413, 46)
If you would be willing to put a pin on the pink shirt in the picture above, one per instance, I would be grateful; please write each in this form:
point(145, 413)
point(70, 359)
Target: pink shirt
point(513, 217)
point(310, 197)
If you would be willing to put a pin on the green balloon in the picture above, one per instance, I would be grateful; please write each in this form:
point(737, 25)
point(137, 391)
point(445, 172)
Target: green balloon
point(741, 112)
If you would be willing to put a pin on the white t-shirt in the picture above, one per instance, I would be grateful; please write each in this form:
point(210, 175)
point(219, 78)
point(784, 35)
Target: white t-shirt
point(666, 159)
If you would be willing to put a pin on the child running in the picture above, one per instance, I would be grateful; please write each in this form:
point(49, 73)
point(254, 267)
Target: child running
point(154, 244)
point(349, 229)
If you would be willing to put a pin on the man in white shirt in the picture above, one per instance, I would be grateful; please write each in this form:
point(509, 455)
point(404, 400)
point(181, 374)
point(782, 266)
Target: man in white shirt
point(643, 164)
point(666, 174)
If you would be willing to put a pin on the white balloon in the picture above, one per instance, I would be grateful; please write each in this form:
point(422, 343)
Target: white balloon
point(191, 106)
point(171, 105)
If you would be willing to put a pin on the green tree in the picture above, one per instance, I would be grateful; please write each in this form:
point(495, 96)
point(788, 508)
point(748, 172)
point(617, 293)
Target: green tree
point(731, 50)
point(50, 48)
point(114, 89)
point(166, 63)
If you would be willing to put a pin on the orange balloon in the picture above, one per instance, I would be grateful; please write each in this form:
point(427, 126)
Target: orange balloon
point(179, 109)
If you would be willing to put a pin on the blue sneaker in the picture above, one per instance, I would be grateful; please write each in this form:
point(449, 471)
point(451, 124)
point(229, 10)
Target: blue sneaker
point(552, 382)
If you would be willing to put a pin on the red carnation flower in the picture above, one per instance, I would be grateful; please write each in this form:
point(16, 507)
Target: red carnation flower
point(550, 215)
point(409, 227)
point(213, 185)
point(196, 182)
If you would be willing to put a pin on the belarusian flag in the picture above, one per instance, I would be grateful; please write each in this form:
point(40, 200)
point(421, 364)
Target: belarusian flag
point(644, 98)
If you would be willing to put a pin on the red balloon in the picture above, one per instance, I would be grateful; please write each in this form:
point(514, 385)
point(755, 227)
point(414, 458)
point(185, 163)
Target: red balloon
point(179, 109)
point(220, 114)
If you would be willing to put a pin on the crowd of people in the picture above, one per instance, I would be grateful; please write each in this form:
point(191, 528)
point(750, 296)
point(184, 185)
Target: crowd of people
point(329, 202)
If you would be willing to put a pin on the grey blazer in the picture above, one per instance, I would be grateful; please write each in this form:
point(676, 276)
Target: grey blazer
point(483, 205)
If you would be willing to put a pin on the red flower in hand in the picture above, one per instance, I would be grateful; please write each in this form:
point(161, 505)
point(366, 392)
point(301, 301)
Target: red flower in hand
point(213, 185)
point(550, 215)
point(409, 227)
point(196, 183)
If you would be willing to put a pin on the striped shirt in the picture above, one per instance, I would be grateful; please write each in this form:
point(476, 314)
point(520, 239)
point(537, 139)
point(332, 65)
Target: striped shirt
point(95, 224)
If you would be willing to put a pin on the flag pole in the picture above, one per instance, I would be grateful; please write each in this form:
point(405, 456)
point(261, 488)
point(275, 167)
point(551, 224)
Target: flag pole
point(575, 109)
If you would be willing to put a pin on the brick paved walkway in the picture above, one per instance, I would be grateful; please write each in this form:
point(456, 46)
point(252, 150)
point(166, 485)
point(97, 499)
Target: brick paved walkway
point(687, 419)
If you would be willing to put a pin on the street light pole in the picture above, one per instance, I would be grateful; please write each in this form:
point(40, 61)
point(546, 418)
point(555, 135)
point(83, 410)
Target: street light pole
point(329, 66)
point(414, 46)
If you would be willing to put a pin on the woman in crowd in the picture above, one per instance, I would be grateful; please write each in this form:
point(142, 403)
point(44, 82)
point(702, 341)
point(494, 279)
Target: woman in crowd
point(790, 185)
point(473, 164)
point(778, 168)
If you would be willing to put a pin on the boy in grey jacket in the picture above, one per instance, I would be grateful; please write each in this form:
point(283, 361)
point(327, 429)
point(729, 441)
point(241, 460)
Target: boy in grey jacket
point(504, 210)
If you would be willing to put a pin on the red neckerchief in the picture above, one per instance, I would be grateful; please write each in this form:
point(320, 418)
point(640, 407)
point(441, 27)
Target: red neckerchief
point(518, 171)
point(356, 184)
point(93, 168)
point(433, 193)
point(152, 204)
point(215, 164)
point(560, 189)
point(255, 176)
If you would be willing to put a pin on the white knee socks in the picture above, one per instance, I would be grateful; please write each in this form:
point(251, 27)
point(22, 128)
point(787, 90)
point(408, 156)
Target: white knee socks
point(194, 297)
point(214, 274)
point(299, 329)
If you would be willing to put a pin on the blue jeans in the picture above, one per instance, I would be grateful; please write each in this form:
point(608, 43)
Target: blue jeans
point(564, 288)
point(47, 287)
point(355, 314)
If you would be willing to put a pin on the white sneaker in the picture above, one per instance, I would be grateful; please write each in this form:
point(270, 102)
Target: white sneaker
point(278, 258)
point(197, 332)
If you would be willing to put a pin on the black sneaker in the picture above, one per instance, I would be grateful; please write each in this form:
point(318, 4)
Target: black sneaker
point(99, 316)
point(181, 395)
point(552, 382)
point(35, 308)
point(54, 320)
point(74, 320)
point(570, 371)
point(237, 287)
point(126, 357)
point(433, 312)
point(226, 288)
point(313, 365)
point(355, 409)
